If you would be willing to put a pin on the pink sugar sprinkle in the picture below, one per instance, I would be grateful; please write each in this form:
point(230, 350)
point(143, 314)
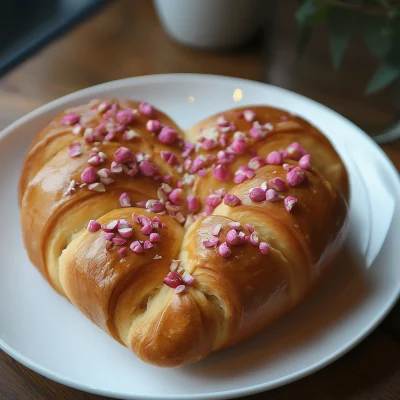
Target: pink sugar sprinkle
point(147, 229)
point(147, 244)
point(129, 135)
point(216, 229)
point(224, 157)
point(125, 232)
point(231, 200)
point(118, 241)
point(213, 242)
point(240, 178)
point(153, 125)
point(274, 158)
point(125, 117)
point(125, 200)
point(88, 135)
point(222, 121)
point(295, 151)
point(198, 163)
point(136, 247)
point(123, 155)
point(187, 278)
point(93, 226)
point(109, 236)
point(147, 168)
point(135, 218)
point(168, 157)
point(247, 171)
point(94, 160)
point(155, 237)
point(235, 225)
point(213, 200)
point(176, 196)
point(173, 279)
point(208, 209)
point(154, 206)
point(141, 204)
point(74, 149)
point(89, 175)
point(243, 239)
point(208, 144)
point(221, 173)
point(239, 145)
point(122, 252)
point(103, 106)
point(167, 178)
point(99, 132)
point(123, 223)
point(295, 177)
point(305, 162)
point(264, 248)
point(180, 217)
point(271, 195)
point(232, 238)
point(188, 148)
point(250, 228)
point(278, 184)
point(104, 173)
point(193, 203)
point(144, 220)
point(257, 194)
point(133, 170)
point(284, 118)
point(116, 168)
point(223, 139)
point(96, 187)
point(257, 132)
point(147, 109)
point(289, 202)
point(256, 163)
point(181, 289)
point(224, 250)
point(172, 209)
point(284, 153)
point(110, 136)
point(249, 115)
point(70, 119)
point(110, 226)
point(254, 240)
point(168, 135)
point(202, 173)
point(287, 167)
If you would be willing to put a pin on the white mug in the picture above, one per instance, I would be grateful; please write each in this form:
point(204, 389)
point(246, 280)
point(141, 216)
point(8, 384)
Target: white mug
point(211, 23)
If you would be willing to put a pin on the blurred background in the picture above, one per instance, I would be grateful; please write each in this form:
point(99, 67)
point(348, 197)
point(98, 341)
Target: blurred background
point(344, 54)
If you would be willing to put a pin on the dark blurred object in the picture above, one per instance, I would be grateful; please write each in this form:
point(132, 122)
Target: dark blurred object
point(28, 25)
point(313, 75)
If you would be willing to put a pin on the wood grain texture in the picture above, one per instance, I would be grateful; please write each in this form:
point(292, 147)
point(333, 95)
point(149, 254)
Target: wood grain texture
point(129, 31)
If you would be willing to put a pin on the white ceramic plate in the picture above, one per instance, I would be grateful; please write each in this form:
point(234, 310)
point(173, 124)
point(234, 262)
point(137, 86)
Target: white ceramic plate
point(43, 331)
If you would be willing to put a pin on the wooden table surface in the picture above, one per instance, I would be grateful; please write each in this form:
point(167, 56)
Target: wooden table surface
point(125, 39)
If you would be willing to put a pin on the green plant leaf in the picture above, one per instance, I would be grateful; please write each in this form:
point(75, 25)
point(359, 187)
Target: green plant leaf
point(376, 35)
point(304, 38)
point(309, 14)
point(384, 76)
point(341, 23)
point(305, 12)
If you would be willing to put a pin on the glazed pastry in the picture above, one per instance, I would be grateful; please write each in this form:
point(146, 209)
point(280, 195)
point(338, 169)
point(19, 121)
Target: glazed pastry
point(179, 244)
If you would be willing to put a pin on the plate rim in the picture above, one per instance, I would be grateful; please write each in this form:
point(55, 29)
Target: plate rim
point(232, 393)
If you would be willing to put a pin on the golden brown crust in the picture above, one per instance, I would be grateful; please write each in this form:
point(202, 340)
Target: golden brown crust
point(120, 287)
